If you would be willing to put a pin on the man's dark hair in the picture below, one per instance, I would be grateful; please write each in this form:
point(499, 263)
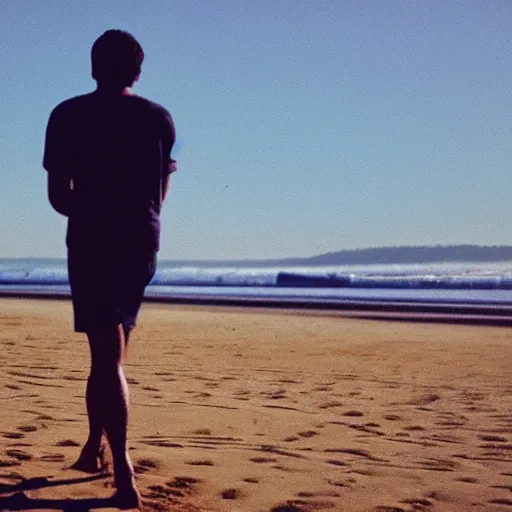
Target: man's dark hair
point(116, 58)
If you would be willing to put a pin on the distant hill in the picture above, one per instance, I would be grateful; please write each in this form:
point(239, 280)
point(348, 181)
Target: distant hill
point(377, 255)
point(416, 254)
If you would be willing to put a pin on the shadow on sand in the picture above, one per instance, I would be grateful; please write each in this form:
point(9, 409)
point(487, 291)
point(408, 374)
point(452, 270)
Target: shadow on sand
point(18, 500)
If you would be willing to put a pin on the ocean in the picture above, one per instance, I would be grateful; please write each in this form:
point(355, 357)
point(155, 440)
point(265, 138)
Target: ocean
point(472, 287)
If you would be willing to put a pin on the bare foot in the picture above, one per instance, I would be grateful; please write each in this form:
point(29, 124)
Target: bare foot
point(127, 497)
point(91, 461)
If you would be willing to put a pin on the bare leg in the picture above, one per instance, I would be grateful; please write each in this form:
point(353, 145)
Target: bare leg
point(107, 400)
point(92, 459)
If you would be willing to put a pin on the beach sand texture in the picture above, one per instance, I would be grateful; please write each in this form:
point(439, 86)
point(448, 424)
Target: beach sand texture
point(264, 410)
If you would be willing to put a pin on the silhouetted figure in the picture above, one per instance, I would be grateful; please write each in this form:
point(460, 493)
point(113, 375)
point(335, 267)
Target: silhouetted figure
point(108, 159)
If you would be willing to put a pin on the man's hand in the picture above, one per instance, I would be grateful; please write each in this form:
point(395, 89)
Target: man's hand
point(59, 193)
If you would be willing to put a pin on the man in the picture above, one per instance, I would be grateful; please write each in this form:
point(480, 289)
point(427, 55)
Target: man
point(107, 154)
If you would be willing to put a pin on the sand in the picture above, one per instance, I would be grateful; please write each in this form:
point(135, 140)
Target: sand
point(264, 410)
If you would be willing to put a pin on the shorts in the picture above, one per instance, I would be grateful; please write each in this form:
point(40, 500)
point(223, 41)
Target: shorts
point(107, 289)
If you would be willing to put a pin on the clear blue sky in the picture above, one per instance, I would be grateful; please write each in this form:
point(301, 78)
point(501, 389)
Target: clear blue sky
point(304, 126)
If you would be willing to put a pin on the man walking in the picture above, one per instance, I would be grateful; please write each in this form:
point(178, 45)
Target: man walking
point(107, 154)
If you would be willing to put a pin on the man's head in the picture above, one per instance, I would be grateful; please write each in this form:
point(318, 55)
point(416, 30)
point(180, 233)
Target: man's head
point(116, 58)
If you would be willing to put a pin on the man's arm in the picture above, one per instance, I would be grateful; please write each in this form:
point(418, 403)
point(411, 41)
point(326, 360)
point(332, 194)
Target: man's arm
point(165, 186)
point(168, 139)
point(56, 162)
point(60, 193)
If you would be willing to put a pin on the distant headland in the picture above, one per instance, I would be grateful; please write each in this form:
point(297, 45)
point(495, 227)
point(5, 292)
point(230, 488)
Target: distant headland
point(379, 255)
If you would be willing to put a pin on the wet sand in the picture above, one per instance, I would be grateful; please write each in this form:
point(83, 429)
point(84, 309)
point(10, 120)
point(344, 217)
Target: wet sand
point(264, 410)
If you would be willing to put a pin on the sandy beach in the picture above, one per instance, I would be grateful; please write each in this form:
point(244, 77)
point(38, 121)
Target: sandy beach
point(261, 410)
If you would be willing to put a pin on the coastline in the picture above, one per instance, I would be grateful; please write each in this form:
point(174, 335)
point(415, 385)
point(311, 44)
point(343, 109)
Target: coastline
point(257, 409)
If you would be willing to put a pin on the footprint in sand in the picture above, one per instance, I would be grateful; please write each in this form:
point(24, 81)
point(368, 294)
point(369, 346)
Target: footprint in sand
point(161, 492)
point(262, 460)
point(180, 487)
point(67, 442)
point(418, 503)
point(163, 444)
point(13, 435)
point(330, 404)
point(307, 433)
point(230, 494)
point(149, 388)
point(414, 427)
point(18, 454)
point(145, 465)
point(322, 388)
point(53, 457)
point(205, 462)
point(493, 439)
point(337, 483)
point(424, 400)
point(27, 428)
point(44, 417)
point(501, 501)
point(467, 479)
point(336, 462)
point(8, 463)
point(303, 506)
point(183, 482)
point(354, 414)
point(324, 494)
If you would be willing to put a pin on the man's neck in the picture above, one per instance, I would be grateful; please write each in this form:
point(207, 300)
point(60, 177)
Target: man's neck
point(115, 91)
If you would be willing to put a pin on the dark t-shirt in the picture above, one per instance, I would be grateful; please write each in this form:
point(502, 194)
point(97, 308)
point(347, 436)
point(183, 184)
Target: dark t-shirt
point(116, 150)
